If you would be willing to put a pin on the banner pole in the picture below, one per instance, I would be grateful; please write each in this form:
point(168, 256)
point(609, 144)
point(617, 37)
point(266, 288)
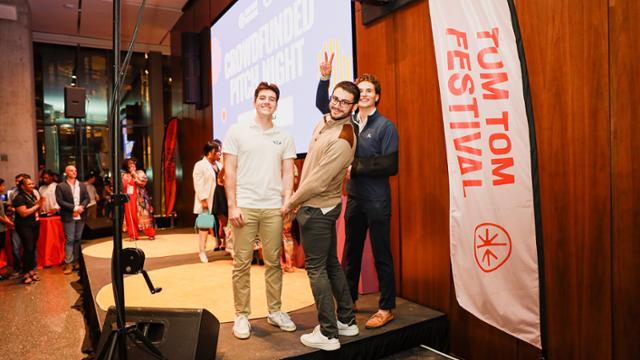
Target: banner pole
point(535, 180)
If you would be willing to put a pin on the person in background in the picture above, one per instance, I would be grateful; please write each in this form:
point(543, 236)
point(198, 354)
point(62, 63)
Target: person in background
point(288, 241)
point(5, 222)
point(204, 185)
point(107, 194)
point(41, 171)
point(48, 192)
point(92, 207)
point(220, 208)
point(73, 198)
point(16, 244)
point(27, 205)
point(130, 188)
point(146, 223)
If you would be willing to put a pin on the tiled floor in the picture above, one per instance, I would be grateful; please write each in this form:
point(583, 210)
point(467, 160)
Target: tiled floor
point(37, 322)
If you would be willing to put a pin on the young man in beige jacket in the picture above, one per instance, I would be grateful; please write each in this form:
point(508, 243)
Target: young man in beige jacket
point(331, 151)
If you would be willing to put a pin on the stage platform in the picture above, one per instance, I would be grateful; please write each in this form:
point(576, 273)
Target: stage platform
point(413, 325)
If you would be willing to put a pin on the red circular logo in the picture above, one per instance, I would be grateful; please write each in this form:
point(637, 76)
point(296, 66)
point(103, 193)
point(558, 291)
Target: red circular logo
point(492, 246)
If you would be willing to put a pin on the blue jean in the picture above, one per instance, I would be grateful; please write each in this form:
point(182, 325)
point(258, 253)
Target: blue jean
point(72, 234)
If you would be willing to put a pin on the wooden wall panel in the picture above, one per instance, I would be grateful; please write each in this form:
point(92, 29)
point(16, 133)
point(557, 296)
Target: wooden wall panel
point(423, 183)
point(569, 82)
point(217, 6)
point(625, 140)
point(202, 16)
point(571, 111)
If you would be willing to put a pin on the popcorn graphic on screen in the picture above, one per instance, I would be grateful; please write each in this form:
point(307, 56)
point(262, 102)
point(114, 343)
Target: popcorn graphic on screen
point(342, 62)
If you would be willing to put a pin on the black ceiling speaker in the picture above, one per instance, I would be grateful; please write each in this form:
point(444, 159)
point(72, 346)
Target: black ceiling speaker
point(205, 68)
point(373, 10)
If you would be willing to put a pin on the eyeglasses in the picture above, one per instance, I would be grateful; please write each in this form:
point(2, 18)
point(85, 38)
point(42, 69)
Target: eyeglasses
point(342, 102)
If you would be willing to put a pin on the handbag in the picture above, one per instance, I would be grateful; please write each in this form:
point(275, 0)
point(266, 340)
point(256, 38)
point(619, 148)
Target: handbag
point(205, 221)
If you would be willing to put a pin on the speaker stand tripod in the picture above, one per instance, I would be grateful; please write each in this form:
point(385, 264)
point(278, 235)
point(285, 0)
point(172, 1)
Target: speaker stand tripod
point(116, 345)
point(135, 335)
point(132, 265)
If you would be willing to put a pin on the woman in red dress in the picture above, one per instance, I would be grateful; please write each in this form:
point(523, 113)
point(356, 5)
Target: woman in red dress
point(138, 213)
point(145, 208)
point(130, 188)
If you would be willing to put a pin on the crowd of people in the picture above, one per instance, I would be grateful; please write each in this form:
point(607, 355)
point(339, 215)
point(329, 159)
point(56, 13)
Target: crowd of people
point(255, 167)
point(22, 206)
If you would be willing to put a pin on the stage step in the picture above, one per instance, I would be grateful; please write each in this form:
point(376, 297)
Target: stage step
point(413, 325)
point(421, 352)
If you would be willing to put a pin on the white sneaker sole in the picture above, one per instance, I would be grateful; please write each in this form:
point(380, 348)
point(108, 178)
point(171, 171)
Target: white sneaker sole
point(348, 332)
point(322, 346)
point(283, 328)
point(241, 336)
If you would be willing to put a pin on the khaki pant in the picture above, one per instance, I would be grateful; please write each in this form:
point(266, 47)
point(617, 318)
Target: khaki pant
point(268, 224)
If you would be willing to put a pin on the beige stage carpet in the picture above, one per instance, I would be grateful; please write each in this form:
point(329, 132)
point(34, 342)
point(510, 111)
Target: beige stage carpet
point(163, 245)
point(208, 286)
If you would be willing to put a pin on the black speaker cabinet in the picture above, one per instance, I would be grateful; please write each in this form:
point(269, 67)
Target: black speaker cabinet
point(205, 68)
point(373, 10)
point(178, 333)
point(74, 102)
point(191, 89)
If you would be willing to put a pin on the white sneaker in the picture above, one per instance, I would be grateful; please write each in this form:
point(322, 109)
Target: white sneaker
point(348, 330)
point(241, 327)
point(319, 341)
point(203, 257)
point(282, 320)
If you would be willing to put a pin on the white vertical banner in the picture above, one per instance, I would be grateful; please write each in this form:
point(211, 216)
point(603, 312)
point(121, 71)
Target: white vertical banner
point(492, 221)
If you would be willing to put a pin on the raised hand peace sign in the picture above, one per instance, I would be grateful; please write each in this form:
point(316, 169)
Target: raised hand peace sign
point(326, 65)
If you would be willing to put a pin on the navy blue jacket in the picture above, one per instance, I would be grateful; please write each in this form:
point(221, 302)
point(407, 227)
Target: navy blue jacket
point(376, 155)
point(64, 197)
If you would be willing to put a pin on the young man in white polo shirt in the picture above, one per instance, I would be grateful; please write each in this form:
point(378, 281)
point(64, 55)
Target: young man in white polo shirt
point(258, 181)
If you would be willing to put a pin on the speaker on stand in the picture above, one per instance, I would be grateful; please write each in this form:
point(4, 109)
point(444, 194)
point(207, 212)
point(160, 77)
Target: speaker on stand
point(75, 100)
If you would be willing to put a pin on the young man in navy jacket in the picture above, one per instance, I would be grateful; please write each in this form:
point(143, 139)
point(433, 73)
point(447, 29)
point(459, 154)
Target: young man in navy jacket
point(369, 194)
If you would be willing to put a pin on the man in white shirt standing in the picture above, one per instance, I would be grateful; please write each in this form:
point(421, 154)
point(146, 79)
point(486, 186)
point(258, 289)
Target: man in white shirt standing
point(48, 192)
point(73, 199)
point(258, 181)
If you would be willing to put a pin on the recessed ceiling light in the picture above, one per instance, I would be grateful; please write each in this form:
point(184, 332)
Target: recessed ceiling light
point(69, 6)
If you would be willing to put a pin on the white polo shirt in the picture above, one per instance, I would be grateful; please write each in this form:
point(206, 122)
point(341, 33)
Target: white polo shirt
point(260, 154)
